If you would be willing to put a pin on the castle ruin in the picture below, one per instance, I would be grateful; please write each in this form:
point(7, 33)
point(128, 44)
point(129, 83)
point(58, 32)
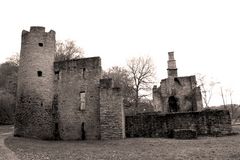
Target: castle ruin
point(69, 100)
point(65, 100)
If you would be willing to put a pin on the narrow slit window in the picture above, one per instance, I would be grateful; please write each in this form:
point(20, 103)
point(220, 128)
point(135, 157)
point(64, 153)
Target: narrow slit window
point(39, 73)
point(40, 44)
point(82, 101)
point(83, 73)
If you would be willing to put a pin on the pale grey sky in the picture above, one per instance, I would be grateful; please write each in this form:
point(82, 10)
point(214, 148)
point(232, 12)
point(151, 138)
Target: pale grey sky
point(204, 34)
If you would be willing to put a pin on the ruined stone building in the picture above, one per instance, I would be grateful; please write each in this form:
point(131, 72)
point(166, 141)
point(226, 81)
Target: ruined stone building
point(64, 100)
point(179, 111)
point(69, 100)
point(177, 94)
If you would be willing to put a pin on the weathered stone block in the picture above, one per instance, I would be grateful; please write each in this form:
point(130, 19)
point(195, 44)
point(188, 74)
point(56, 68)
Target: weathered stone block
point(184, 134)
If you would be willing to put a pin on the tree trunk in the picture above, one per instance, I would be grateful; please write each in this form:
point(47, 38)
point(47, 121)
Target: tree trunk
point(136, 101)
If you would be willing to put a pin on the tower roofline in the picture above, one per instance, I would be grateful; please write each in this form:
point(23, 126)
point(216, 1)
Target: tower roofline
point(37, 29)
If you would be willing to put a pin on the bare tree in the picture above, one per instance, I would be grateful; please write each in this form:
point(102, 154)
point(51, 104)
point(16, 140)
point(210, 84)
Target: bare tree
point(226, 95)
point(122, 79)
point(14, 59)
point(233, 108)
point(231, 103)
point(141, 71)
point(8, 74)
point(66, 50)
point(223, 97)
point(206, 88)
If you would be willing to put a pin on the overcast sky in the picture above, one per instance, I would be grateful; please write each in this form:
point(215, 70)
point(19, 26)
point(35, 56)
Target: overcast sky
point(204, 34)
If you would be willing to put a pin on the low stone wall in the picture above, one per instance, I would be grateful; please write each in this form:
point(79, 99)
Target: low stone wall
point(208, 122)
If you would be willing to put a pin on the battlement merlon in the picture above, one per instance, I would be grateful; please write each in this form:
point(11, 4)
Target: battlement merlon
point(38, 29)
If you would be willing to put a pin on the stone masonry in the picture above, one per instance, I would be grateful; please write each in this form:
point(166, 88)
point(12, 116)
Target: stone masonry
point(112, 114)
point(177, 94)
point(63, 100)
point(35, 84)
point(72, 78)
point(68, 100)
point(178, 111)
point(156, 124)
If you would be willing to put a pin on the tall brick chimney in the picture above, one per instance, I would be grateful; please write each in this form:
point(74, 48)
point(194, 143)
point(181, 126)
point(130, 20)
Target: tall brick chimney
point(172, 69)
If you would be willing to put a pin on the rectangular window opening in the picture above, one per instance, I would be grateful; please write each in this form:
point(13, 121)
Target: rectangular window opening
point(82, 101)
point(39, 73)
point(40, 44)
point(57, 75)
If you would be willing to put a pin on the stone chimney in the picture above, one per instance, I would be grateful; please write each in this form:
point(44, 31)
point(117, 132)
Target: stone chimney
point(172, 69)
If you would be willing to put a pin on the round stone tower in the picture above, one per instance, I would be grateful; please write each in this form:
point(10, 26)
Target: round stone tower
point(35, 91)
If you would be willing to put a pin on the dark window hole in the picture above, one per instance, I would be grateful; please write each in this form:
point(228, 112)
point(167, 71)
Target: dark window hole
point(39, 73)
point(83, 73)
point(40, 44)
point(57, 74)
point(83, 133)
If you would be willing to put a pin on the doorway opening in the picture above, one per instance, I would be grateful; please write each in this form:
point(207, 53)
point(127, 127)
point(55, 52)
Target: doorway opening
point(83, 133)
point(173, 104)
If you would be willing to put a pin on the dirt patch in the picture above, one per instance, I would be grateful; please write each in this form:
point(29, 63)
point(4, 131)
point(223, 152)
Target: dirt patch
point(5, 152)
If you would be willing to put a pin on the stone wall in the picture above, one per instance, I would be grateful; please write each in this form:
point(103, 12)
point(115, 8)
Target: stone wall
point(112, 119)
point(72, 78)
point(33, 117)
point(209, 122)
point(61, 100)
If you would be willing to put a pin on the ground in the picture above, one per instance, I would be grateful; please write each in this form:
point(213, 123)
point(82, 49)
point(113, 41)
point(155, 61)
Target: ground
point(227, 147)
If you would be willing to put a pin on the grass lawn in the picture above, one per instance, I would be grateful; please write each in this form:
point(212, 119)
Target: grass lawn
point(227, 147)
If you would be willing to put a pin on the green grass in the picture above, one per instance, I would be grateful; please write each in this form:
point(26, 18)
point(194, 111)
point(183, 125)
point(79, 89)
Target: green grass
point(227, 147)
